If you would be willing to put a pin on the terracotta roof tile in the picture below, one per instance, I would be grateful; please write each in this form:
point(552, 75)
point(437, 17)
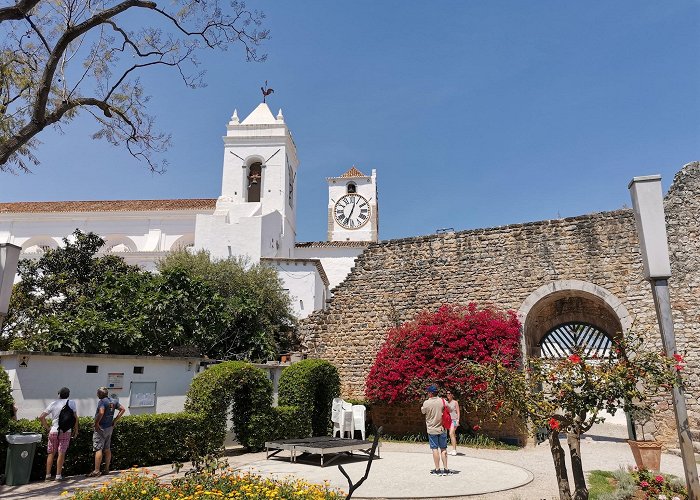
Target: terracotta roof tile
point(353, 172)
point(108, 205)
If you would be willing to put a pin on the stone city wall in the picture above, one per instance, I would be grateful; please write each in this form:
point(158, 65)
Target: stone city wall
point(394, 280)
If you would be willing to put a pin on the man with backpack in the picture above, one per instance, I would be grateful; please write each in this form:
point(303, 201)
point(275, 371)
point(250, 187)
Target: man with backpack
point(104, 424)
point(64, 426)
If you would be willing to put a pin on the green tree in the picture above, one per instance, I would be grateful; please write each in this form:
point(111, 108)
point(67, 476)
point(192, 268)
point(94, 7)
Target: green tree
point(73, 301)
point(260, 322)
point(59, 282)
point(6, 401)
point(60, 57)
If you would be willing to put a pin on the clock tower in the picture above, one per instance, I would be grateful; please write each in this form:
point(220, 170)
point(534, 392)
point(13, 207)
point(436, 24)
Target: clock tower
point(353, 207)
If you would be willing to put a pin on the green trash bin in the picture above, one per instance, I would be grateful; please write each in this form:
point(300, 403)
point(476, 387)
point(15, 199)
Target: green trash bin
point(20, 455)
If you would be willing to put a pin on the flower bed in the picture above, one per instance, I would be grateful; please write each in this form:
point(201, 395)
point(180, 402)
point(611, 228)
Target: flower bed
point(138, 484)
point(659, 486)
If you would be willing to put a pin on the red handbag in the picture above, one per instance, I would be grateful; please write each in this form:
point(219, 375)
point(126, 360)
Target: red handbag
point(446, 418)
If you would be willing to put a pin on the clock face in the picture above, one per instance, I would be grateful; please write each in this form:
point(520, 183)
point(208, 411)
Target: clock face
point(352, 211)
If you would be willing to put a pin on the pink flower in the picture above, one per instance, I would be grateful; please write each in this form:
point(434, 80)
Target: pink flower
point(644, 484)
point(678, 358)
point(659, 479)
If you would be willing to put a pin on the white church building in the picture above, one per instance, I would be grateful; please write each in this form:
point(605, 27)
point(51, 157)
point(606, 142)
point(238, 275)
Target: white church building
point(255, 216)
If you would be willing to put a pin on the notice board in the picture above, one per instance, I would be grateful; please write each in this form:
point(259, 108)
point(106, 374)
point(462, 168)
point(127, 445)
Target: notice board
point(142, 395)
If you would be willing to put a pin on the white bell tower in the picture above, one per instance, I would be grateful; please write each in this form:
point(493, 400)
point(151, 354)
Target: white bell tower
point(353, 207)
point(256, 212)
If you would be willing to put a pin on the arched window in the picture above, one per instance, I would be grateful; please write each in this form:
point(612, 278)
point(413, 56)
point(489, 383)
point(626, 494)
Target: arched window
point(186, 241)
point(567, 338)
point(38, 245)
point(254, 181)
point(118, 243)
point(352, 188)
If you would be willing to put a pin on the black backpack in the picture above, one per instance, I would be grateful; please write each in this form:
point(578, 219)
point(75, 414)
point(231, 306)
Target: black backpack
point(66, 419)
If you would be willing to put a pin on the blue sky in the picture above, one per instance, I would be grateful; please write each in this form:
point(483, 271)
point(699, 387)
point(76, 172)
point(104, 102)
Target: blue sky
point(474, 113)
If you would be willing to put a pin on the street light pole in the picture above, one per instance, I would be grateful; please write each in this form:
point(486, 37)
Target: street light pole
point(647, 201)
point(9, 256)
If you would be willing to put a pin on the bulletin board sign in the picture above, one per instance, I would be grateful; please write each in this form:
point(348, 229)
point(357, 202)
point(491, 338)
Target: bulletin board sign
point(142, 395)
point(115, 380)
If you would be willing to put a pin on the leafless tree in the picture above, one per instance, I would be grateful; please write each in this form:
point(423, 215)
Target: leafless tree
point(62, 57)
point(353, 486)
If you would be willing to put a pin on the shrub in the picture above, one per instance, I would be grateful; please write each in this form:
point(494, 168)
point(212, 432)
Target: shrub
point(6, 401)
point(138, 440)
point(135, 485)
point(433, 348)
point(234, 387)
point(311, 384)
point(655, 485)
point(282, 422)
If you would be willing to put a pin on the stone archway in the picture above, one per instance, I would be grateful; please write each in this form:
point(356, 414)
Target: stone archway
point(572, 305)
point(570, 301)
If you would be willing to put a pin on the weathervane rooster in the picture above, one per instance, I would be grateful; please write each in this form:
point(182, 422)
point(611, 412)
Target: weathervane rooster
point(266, 91)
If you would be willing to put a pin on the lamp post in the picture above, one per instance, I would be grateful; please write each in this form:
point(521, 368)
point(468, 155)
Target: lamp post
point(9, 256)
point(647, 202)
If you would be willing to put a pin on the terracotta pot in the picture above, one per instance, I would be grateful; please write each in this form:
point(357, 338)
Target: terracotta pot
point(647, 454)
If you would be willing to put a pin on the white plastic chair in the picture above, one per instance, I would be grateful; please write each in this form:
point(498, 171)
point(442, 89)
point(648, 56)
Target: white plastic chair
point(346, 421)
point(358, 420)
point(336, 415)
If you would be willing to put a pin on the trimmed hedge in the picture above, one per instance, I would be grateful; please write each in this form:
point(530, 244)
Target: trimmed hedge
point(311, 385)
point(6, 401)
point(235, 388)
point(282, 422)
point(138, 440)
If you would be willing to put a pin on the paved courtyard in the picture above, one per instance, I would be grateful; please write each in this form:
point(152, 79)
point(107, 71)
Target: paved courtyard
point(403, 471)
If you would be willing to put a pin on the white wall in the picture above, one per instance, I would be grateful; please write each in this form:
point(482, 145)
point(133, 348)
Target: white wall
point(37, 385)
point(305, 286)
point(336, 261)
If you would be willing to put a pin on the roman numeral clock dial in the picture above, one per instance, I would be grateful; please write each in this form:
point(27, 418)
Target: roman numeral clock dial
point(352, 211)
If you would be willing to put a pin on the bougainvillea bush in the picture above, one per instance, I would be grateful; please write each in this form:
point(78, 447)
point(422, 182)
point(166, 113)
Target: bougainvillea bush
point(432, 349)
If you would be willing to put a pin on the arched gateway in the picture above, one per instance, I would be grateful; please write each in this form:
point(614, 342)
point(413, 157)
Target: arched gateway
point(562, 315)
point(569, 315)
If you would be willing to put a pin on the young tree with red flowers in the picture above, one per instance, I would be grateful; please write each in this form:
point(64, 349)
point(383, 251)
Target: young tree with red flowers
point(433, 347)
point(567, 395)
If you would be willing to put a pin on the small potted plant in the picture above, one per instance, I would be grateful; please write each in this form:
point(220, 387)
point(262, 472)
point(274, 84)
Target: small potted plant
point(647, 453)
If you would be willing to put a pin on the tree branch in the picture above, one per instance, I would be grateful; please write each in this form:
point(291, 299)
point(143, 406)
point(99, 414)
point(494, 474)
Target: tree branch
point(41, 35)
point(72, 33)
point(18, 11)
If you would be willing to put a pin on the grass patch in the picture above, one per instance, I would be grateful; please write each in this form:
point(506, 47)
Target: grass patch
point(470, 441)
point(600, 482)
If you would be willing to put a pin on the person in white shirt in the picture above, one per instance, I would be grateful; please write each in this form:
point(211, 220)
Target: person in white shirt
point(58, 440)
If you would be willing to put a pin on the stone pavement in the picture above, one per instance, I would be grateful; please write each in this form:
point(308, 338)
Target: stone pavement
point(403, 472)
